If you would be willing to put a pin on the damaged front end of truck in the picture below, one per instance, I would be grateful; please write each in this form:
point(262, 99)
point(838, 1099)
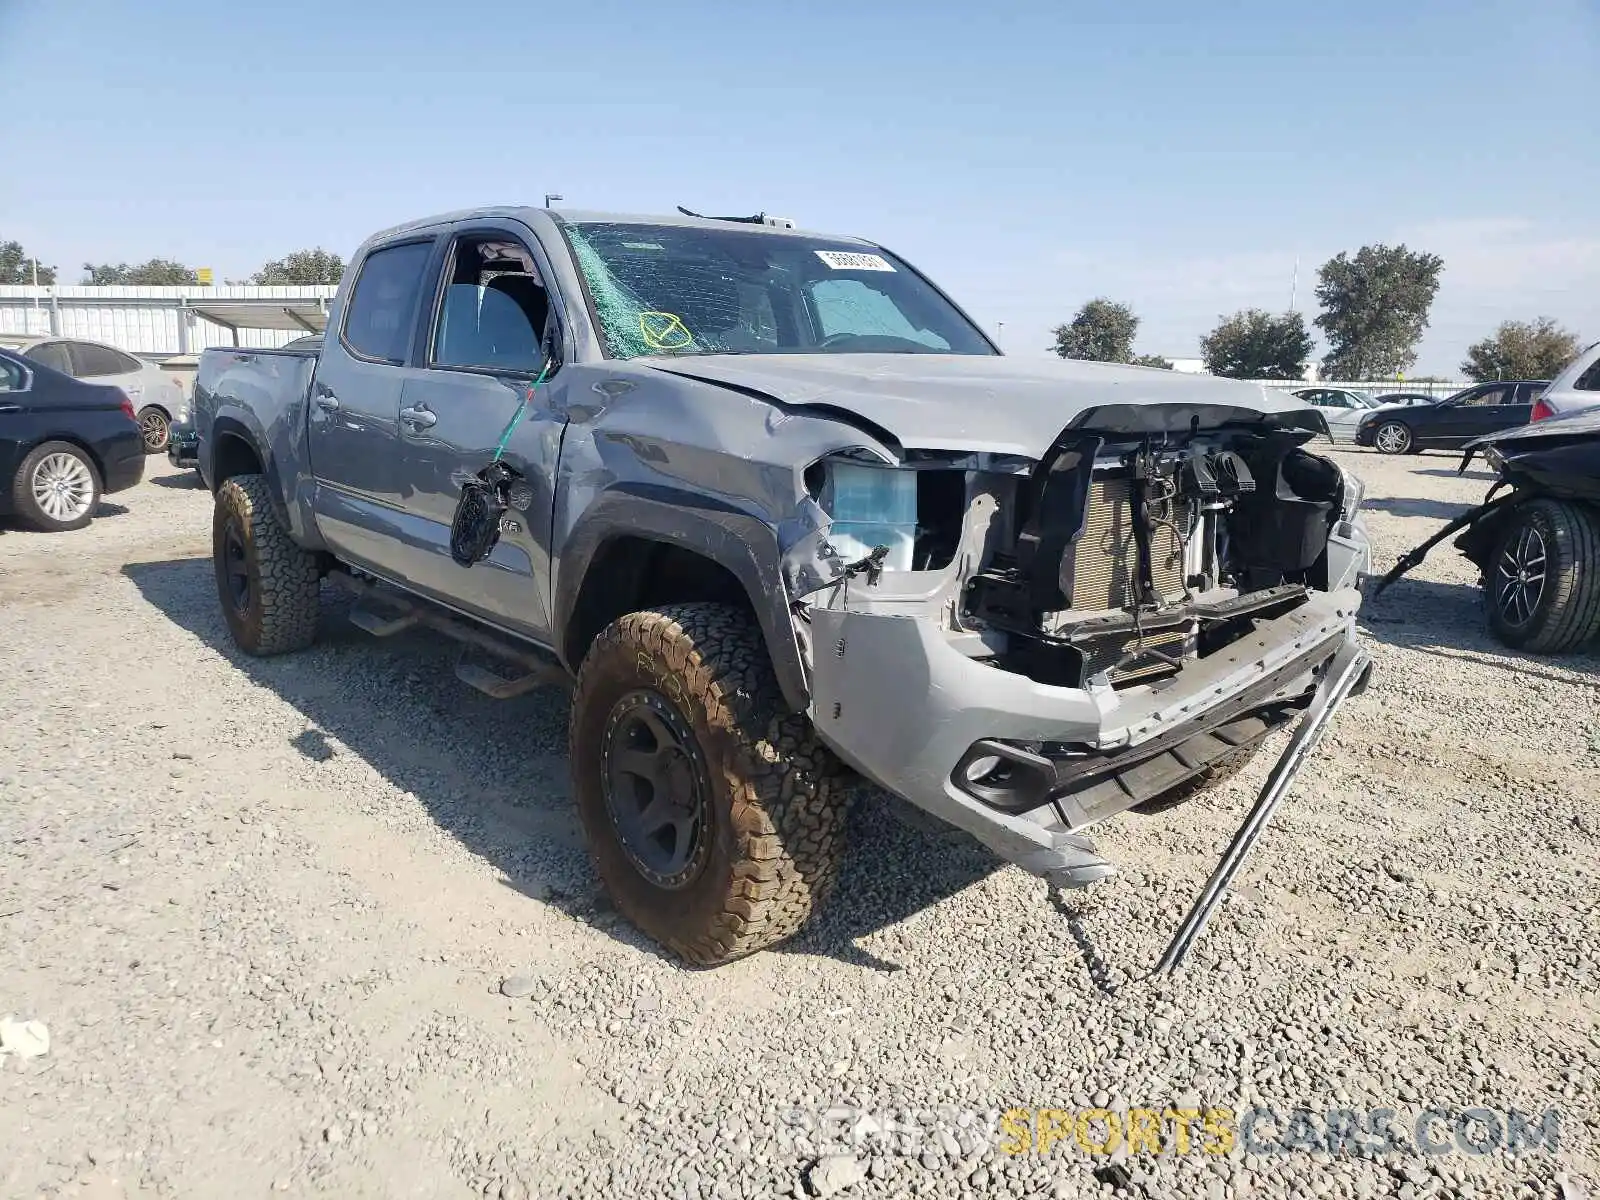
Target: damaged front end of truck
point(1024, 647)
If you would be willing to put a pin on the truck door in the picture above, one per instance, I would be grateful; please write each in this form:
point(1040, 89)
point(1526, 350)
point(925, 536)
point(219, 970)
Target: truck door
point(355, 445)
point(481, 355)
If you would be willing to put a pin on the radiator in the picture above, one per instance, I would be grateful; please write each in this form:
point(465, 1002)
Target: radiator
point(1104, 653)
point(1105, 561)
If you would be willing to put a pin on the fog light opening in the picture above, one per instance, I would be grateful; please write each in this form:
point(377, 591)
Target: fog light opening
point(989, 771)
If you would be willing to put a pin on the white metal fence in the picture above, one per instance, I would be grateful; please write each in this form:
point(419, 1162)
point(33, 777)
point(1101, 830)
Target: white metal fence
point(158, 321)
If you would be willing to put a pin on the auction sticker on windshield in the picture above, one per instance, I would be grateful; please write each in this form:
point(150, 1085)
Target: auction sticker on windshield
point(841, 260)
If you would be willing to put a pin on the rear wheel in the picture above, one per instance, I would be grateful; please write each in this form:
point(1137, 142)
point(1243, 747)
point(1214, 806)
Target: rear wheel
point(156, 429)
point(1542, 579)
point(267, 584)
point(712, 814)
point(57, 488)
point(1393, 437)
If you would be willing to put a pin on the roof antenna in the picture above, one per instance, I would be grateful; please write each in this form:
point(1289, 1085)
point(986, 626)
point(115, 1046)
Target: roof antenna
point(760, 218)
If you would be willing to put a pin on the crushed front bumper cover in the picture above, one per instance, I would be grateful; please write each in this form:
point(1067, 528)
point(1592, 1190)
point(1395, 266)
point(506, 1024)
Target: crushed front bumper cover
point(912, 713)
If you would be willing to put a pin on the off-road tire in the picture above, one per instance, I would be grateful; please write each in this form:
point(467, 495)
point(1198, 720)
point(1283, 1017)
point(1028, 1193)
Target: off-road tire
point(26, 506)
point(774, 807)
point(1567, 612)
point(1402, 445)
point(280, 612)
point(1208, 777)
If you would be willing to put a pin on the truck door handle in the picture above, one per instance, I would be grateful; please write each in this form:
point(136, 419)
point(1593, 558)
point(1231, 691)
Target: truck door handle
point(418, 418)
point(327, 402)
point(5, 408)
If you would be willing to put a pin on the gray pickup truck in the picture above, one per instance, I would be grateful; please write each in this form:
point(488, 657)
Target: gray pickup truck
point(782, 510)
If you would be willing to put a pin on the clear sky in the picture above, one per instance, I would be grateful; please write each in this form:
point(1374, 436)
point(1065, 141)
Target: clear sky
point(1029, 155)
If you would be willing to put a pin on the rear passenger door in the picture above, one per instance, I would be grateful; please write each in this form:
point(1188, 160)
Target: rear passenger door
point(482, 351)
point(354, 440)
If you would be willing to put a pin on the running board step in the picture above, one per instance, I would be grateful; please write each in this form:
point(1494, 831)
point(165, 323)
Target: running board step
point(383, 624)
point(498, 687)
point(382, 613)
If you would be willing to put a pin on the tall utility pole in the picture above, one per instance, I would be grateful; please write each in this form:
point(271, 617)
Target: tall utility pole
point(1000, 334)
point(1294, 287)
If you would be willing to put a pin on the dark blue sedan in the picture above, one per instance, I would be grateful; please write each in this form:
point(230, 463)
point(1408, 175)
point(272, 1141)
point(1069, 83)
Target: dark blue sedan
point(63, 444)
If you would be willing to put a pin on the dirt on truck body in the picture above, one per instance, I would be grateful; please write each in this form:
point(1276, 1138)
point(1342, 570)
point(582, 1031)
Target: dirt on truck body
point(782, 509)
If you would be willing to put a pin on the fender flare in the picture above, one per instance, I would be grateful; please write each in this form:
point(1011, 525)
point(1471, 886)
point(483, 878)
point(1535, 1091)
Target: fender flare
point(240, 425)
point(745, 545)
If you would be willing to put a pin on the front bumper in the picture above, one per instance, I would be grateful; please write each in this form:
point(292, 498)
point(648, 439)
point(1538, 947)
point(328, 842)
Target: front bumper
point(910, 712)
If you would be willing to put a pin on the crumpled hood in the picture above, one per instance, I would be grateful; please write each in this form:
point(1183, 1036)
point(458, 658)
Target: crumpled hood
point(976, 402)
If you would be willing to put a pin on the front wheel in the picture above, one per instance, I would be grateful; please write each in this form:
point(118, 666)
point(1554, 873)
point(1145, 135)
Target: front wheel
point(56, 488)
point(156, 430)
point(713, 815)
point(268, 585)
point(1393, 437)
point(1542, 579)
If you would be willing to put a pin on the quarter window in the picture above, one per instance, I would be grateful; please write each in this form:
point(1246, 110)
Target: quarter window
point(383, 304)
point(11, 377)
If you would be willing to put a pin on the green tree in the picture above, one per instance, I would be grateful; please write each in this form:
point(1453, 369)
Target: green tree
point(302, 267)
point(1102, 330)
point(158, 271)
point(1152, 360)
point(1254, 344)
point(1535, 349)
point(16, 265)
point(1374, 309)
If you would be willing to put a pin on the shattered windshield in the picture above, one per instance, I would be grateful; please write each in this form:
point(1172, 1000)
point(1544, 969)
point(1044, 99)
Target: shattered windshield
point(681, 289)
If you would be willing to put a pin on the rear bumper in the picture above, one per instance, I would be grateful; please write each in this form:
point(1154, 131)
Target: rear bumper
point(912, 713)
point(122, 461)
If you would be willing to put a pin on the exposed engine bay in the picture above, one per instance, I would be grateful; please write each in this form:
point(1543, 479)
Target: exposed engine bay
point(1114, 558)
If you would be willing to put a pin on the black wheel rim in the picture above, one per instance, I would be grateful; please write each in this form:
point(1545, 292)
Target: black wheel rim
point(656, 787)
point(1519, 576)
point(236, 570)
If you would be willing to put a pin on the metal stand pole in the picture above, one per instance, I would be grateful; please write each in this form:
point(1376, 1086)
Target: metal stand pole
point(1346, 670)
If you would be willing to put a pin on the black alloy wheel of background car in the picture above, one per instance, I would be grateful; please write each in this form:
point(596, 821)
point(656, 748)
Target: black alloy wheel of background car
point(1542, 582)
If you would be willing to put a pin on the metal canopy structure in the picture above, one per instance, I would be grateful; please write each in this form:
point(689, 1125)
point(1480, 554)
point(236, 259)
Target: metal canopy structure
point(304, 316)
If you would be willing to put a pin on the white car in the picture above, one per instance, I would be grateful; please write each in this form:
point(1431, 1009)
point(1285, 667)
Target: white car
point(1342, 409)
point(157, 397)
point(1576, 388)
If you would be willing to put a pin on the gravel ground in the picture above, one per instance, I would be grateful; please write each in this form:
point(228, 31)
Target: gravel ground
point(269, 913)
